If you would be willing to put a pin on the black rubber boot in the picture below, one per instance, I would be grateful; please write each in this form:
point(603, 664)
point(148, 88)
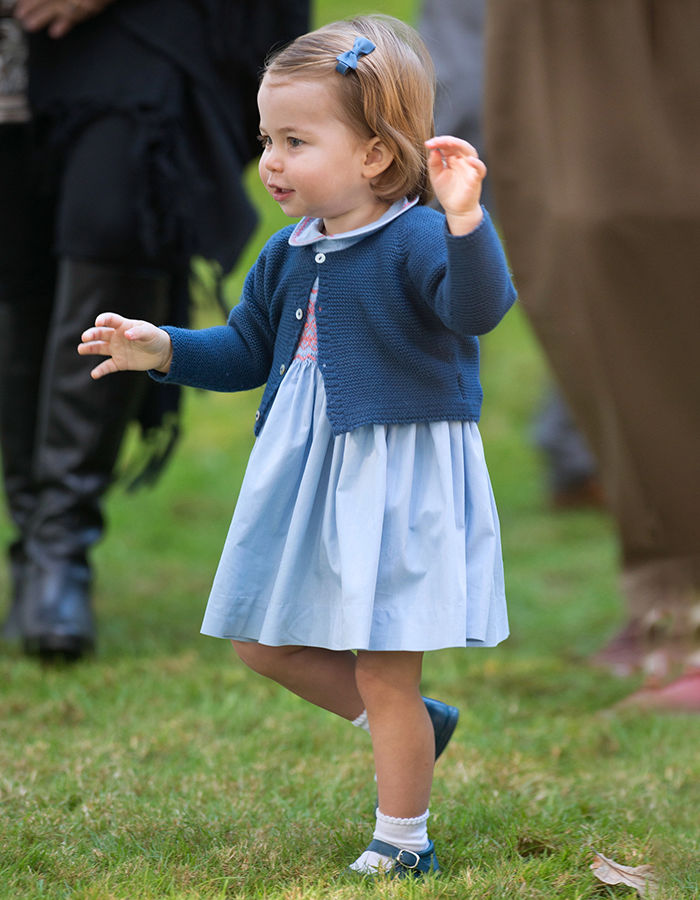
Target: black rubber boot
point(80, 427)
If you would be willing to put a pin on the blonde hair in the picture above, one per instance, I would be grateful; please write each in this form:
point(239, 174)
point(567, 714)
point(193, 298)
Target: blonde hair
point(390, 94)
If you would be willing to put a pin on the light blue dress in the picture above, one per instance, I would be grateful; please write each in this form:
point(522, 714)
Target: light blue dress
point(382, 538)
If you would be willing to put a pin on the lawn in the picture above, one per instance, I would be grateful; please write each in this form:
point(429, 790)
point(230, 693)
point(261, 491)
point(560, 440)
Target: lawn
point(161, 768)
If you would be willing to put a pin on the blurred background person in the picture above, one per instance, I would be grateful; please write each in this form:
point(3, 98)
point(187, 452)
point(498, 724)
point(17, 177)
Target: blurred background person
point(125, 126)
point(571, 471)
point(453, 31)
point(593, 132)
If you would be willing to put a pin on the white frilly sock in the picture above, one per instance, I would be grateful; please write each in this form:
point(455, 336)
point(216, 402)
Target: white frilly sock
point(407, 834)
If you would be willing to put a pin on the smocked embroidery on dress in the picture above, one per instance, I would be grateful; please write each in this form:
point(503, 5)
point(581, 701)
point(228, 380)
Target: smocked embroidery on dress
point(307, 348)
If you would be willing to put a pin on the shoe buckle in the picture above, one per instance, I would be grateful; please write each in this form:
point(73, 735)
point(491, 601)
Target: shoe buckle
point(403, 857)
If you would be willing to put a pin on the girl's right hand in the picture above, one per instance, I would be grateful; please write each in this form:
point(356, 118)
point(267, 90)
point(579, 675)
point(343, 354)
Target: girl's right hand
point(131, 344)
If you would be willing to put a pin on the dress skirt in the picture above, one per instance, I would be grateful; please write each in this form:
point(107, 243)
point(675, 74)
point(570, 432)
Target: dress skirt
point(382, 538)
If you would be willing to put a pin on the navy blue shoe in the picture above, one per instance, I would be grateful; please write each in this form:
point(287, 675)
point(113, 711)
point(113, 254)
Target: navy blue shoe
point(444, 719)
point(407, 863)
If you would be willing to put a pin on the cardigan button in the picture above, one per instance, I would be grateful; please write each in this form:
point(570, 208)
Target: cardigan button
point(320, 257)
point(257, 415)
point(300, 314)
point(283, 369)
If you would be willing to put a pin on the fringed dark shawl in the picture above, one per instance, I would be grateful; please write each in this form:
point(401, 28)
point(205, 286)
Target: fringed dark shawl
point(187, 72)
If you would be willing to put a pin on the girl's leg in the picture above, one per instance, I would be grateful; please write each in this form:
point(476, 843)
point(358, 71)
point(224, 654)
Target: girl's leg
point(325, 678)
point(402, 733)
point(404, 756)
point(385, 687)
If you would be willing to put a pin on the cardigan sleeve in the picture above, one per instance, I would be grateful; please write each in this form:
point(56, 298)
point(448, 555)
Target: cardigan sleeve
point(464, 279)
point(232, 357)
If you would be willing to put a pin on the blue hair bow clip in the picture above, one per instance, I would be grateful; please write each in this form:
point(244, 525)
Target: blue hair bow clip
point(348, 60)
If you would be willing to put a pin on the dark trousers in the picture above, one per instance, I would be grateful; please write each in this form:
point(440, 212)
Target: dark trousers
point(69, 248)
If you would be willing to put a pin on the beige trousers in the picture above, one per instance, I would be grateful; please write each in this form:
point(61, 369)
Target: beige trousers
point(592, 117)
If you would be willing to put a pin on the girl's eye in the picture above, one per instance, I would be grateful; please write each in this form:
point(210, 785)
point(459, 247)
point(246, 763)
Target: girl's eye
point(294, 142)
point(264, 140)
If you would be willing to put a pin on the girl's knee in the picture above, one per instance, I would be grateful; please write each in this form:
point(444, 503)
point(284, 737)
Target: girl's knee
point(250, 653)
point(386, 676)
point(261, 658)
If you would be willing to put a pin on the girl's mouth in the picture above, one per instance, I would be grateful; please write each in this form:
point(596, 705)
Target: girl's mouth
point(279, 194)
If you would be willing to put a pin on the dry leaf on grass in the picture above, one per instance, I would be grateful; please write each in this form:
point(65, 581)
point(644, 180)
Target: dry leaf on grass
point(641, 878)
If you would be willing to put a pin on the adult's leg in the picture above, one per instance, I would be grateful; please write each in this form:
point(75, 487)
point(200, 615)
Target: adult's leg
point(601, 241)
point(81, 423)
point(27, 279)
point(80, 428)
point(572, 479)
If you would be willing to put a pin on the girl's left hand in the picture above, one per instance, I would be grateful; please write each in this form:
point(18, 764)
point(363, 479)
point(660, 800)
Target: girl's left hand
point(456, 173)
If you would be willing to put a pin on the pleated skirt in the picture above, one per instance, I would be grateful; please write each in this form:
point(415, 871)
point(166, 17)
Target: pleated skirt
point(383, 538)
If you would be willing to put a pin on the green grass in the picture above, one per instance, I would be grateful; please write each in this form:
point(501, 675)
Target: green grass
point(163, 769)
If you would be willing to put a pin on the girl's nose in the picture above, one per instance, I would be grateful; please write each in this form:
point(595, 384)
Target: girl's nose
point(272, 161)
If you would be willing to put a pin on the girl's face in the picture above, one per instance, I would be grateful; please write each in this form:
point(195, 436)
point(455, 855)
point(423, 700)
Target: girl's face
point(313, 164)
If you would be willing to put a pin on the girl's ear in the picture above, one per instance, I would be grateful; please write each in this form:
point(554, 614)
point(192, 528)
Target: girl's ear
point(378, 158)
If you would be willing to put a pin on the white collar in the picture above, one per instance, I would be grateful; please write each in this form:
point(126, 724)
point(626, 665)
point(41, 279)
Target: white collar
point(308, 230)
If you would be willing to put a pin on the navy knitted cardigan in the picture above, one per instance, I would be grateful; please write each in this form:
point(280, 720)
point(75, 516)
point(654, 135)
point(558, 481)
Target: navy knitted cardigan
point(397, 316)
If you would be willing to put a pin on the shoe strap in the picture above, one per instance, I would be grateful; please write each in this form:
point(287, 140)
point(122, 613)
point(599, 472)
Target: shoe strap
point(408, 859)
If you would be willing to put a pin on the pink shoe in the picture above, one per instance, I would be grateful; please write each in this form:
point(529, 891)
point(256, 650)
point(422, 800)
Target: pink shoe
point(681, 695)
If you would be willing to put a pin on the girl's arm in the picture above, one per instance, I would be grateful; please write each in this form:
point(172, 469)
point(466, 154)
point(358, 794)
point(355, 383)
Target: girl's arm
point(476, 290)
point(469, 288)
point(232, 357)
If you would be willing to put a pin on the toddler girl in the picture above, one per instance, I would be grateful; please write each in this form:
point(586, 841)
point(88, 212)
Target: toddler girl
point(366, 531)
